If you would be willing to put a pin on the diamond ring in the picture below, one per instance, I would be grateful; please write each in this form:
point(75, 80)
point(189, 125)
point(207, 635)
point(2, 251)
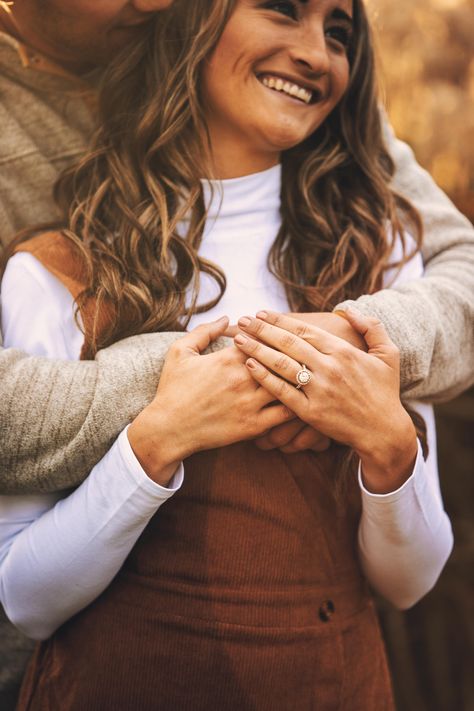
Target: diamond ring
point(303, 377)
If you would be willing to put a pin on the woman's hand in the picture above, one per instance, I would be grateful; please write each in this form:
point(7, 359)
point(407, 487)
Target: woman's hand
point(297, 436)
point(202, 402)
point(352, 397)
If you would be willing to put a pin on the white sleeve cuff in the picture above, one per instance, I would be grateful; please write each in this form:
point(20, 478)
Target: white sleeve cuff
point(417, 471)
point(139, 475)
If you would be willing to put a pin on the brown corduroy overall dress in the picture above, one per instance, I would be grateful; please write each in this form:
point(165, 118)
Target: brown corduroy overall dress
point(244, 593)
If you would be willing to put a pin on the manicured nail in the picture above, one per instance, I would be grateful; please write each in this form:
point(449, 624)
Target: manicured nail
point(252, 364)
point(245, 321)
point(240, 340)
point(263, 315)
point(222, 319)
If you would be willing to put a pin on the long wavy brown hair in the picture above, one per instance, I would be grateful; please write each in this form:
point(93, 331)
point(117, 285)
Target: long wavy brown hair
point(123, 203)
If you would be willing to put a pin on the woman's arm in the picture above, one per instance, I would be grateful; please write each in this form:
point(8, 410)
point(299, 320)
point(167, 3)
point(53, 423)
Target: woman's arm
point(353, 397)
point(406, 530)
point(430, 319)
point(57, 556)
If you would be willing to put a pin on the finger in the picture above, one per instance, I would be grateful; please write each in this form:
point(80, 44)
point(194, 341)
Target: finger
point(372, 330)
point(280, 363)
point(285, 342)
point(281, 390)
point(263, 397)
point(232, 331)
point(307, 439)
point(280, 436)
point(200, 337)
point(274, 416)
point(265, 323)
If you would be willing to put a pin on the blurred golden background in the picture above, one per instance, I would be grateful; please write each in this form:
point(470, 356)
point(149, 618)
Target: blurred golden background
point(426, 50)
point(427, 61)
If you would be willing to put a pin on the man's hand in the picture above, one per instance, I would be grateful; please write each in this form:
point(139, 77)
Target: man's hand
point(336, 324)
point(297, 436)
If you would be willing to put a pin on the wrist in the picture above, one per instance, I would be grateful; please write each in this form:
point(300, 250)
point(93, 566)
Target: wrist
point(388, 462)
point(153, 446)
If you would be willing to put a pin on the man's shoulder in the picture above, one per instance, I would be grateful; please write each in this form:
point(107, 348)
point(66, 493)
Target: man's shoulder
point(46, 125)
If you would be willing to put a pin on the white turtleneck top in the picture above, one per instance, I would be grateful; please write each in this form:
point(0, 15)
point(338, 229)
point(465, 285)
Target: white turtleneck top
point(59, 552)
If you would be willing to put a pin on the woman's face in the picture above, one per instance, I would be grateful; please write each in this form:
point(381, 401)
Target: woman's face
point(279, 69)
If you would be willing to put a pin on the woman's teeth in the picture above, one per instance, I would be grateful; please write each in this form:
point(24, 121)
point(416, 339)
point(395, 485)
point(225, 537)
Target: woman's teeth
point(298, 92)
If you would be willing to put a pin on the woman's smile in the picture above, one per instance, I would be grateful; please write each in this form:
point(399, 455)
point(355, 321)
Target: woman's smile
point(288, 88)
point(298, 55)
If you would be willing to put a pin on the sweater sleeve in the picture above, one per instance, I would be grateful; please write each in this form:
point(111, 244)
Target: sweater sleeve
point(430, 319)
point(58, 418)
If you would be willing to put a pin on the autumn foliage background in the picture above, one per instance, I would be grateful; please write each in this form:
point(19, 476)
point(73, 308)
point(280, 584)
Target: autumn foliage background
point(427, 60)
point(426, 49)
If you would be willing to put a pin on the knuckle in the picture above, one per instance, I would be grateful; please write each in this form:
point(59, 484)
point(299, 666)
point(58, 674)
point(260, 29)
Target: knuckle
point(333, 372)
point(288, 340)
point(258, 326)
point(282, 363)
point(176, 348)
point(235, 380)
point(302, 331)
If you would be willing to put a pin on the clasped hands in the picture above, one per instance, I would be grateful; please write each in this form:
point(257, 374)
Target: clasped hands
point(248, 392)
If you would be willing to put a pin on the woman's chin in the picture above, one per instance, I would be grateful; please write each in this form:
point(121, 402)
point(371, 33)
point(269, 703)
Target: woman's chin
point(282, 137)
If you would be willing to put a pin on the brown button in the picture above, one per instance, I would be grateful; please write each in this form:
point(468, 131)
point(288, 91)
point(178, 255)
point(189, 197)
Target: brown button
point(326, 611)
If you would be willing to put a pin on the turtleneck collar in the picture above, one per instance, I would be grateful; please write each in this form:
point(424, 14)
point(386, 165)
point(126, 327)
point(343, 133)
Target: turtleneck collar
point(249, 197)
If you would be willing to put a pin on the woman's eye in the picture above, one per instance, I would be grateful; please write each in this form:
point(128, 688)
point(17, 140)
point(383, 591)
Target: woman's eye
point(339, 34)
point(287, 8)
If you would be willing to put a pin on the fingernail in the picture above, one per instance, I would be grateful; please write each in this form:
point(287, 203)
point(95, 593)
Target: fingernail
point(244, 321)
point(252, 364)
point(222, 319)
point(240, 340)
point(263, 315)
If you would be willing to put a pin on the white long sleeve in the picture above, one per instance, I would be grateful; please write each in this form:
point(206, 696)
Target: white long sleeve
point(405, 537)
point(57, 555)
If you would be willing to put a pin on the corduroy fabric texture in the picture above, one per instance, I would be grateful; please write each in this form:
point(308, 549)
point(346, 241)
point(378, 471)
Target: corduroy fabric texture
point(244, 592)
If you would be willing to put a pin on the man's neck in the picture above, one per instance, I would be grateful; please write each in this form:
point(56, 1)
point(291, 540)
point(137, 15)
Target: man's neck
point(9, 27)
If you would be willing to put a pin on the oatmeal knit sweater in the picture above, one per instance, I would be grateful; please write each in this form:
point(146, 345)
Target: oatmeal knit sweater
point(57, 419)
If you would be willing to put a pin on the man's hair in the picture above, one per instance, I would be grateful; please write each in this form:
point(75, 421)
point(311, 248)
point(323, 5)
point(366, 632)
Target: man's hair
point(124, 201)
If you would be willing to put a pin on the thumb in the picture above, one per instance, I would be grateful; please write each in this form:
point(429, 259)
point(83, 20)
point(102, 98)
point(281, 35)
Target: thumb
point(200, 337)
point(372, 330)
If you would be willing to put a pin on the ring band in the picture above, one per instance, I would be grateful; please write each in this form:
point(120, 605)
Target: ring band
point(303, 377)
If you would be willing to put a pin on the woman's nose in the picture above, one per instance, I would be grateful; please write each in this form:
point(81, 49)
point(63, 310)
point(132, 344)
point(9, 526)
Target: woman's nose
point(311, 51)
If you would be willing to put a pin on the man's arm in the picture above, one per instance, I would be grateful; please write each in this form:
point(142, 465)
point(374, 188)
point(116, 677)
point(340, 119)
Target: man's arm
point(58, 418)
point(430, 319)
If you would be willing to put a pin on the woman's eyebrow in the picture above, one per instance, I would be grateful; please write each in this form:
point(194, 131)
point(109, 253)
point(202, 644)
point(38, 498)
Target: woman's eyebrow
point(338, 14)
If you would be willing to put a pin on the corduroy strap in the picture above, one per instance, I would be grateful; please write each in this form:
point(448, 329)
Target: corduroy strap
point(62, 258)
